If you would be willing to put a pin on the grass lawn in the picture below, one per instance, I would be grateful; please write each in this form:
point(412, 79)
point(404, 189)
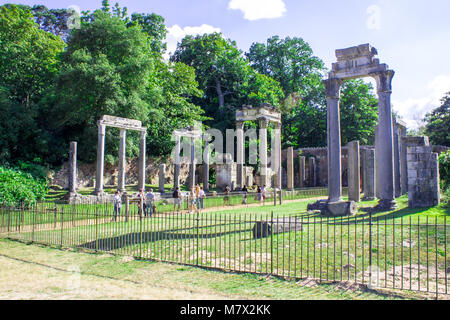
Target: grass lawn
point(36, 272)
point(409, 247)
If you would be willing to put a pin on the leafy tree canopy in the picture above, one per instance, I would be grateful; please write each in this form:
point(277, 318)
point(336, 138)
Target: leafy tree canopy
point(438, 123)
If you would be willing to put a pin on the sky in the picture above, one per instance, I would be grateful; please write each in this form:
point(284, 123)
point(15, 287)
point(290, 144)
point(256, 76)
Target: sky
point(411, 36)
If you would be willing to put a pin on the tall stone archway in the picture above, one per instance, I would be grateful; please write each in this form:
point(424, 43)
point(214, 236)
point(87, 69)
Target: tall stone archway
point(360, 62)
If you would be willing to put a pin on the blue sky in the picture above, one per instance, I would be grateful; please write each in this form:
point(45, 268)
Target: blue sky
point(412, 36)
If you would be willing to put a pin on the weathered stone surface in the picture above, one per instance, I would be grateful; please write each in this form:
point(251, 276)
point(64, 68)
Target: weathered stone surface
point(423, 177)
point(264, 229)
point(342, 208)
point(250, 113)
point(162, 177)
point(354, 172)
point(369, 174)
point(112, 121)
point(320, 205)
point(290, 168)
point(302, 168)
point(73, 180)
point(225, 171)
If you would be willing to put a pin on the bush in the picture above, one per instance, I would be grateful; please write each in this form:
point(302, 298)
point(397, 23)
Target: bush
point(444, 170)
point(18, 188)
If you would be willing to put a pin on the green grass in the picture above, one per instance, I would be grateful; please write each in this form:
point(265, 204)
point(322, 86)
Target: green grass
point(105, 268)
point(223, 239)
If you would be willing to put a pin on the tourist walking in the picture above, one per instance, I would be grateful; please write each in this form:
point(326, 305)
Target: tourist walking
point(197, 194)
point(149, 203)
point(176, 199)
point(264, 194)
point(117, 202)
point(244, 196)
point(201, 198)
point(259, 194)
point(226, 198)
point(192, 207)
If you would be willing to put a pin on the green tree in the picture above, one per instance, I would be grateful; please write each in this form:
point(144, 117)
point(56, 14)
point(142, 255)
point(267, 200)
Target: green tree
point(225, 77)
point(359, 112)
point(438, 123)
point(292, 63)
point(106, 70)
point(29, 62)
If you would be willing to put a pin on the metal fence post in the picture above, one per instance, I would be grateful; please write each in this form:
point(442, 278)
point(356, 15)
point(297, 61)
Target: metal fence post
point(62, 227)
point(271, 243)
point(370, 247)
point(198, 230)
point(96, 227)
point(34, 222)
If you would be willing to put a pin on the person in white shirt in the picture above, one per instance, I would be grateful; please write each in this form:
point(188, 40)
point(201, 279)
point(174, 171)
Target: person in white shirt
point(117, 201)
point(149, 200)
point(201, 197)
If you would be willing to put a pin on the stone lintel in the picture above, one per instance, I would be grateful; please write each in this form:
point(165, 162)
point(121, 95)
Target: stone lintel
point(352, 71)
point(111, 121)
point(248, 113)
point(121, 126)
point(196, 134)
point(363, 50)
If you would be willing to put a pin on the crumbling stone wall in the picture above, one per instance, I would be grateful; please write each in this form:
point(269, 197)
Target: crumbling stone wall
point(423, 177)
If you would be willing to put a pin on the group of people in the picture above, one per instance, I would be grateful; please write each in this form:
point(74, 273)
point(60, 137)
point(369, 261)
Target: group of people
point(196, 199)
point(197, 195)
point(146, 203)
point(261, 194)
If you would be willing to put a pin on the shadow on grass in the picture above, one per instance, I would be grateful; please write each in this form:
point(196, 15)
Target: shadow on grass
point(113, 243)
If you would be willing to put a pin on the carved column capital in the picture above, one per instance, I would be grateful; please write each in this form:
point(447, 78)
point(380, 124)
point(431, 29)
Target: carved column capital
point(333, 87)
point(263, 123)
point(384, 81)
point(240, 125)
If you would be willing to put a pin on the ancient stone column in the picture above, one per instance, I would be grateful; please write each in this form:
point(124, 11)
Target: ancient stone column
point(162, 177)
point(177, 164)
point(290, 168)
point(206, 158)
point(142, 150)
point(192, 165)
point(334, 140)
point(122, 160)
point(385, 143)
point(377, 170)
point(369, 174)
point(302, 167)
point(277, 156)
point(312, 172)
point(397, 173)
point(240, 155)
point(263, 124)
point(403, 161)
point(353, 172)
point(73, 183)
point(100, 160)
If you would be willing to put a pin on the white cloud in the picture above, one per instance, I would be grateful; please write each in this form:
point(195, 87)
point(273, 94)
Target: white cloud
point(259, 9)
point(414, 110)
point(175, 34)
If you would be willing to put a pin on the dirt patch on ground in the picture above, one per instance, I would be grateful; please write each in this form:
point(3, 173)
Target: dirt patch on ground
point(22, 279)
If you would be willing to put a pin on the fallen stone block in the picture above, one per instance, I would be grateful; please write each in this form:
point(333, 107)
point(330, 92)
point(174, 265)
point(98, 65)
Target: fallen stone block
point(264, 229)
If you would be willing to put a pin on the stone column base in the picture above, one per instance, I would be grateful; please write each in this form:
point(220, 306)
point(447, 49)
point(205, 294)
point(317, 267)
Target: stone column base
point(368, 198)
point(386, 205)
point(335, 209)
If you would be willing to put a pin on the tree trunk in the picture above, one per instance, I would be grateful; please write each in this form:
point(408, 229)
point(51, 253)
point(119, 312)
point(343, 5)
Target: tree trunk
point(220, 94)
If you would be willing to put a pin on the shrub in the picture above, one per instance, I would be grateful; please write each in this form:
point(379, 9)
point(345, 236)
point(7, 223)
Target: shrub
point(444, 169)
point(18, 188)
